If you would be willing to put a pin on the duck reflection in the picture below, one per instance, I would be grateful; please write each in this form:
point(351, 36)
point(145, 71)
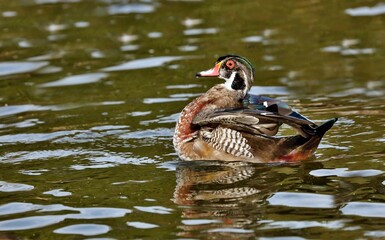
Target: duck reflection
point(214, 182)
point(229, 199)
point(211, 194)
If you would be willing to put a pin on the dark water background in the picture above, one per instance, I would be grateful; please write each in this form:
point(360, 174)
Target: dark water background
point(90, 91)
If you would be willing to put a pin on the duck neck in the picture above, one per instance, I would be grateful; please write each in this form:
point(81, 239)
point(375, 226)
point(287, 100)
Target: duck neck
point(184, 129)
point(216, 97)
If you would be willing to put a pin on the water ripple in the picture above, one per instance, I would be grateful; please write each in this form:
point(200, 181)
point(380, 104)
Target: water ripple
point(10, 68)
point(129, 47)
point(184, 86)
point(163, 100)
point(337, 224)
point(348, 51)
point(14, 187)
point(30, 222)
point(17, 109)
point(58, 193)
point(375, 234)
point(272, 90)
point(9, 14)
point(190, 22)
point(155, 209)
point(130, 8)
point(55, 1)
point(188, 48)
point(35, 137)
point(344, 172)
point(15, 157)
point(364, 209)
point(84, 229)
point(34, 222)
point(193, 222)
point(231, 230)
point(76, 80)
point(366, 11)
point(36, 172)
point(200, 31)
point(17, 207)
point(253, 39)
point(302, 200)
point(142, 225)
point(23, 124)
point(111, 160)
point(150, 133)
point(150, 62)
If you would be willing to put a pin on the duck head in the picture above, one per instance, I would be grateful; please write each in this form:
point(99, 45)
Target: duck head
point(237, 72)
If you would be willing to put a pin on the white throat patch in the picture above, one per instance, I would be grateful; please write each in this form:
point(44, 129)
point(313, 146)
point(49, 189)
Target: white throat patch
point(229, 81)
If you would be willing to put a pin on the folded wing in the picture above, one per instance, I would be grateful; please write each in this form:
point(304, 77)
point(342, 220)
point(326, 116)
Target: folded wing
point(260, 115)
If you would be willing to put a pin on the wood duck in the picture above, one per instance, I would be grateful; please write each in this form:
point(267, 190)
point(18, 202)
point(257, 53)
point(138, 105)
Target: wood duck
point(226, 123)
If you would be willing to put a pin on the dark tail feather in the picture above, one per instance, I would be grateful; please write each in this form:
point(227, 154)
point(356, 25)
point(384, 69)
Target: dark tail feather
point(320, 130)
point(324, 127)
point(312, 142)
point(302, 147)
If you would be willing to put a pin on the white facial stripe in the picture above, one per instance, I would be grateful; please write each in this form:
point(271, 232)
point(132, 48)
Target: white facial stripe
point(247, 88)
point(230, 80)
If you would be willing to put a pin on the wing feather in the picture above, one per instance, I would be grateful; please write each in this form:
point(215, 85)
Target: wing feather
point(252, 121)
point(272, 105)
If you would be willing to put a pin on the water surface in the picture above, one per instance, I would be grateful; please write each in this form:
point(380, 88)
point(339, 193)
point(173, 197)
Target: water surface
point(89, 95)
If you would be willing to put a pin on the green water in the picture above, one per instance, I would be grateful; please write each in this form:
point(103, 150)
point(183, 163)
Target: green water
point(89, 95)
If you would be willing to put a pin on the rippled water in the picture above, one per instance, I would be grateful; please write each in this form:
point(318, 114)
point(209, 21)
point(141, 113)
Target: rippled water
point(90, 91)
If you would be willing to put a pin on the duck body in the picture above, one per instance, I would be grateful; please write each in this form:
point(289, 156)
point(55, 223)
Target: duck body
point(226, 123)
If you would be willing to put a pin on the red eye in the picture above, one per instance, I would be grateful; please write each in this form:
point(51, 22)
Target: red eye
point(230, 64)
